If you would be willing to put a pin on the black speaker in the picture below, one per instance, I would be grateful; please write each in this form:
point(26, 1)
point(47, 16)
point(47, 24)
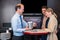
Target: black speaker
point(33, 6)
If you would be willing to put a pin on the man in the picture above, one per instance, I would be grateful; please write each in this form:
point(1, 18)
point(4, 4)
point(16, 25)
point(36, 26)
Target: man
point(18, 24)
point(44, 19)
point(44, 22)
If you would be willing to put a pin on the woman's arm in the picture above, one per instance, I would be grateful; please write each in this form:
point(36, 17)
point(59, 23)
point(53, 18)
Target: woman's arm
point(51, 24)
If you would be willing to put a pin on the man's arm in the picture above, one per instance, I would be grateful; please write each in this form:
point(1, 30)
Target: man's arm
point(15, 26)
point(25, 24)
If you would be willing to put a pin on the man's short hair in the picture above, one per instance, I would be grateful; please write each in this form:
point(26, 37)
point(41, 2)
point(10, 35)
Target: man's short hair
point(18, 6)
point(44, 7)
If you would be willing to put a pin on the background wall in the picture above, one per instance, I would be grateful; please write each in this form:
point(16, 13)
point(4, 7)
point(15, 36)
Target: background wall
point(0, 12)
point(7, 10)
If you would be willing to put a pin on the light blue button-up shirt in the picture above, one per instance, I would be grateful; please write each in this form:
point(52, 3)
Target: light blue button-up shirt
point(16, 25)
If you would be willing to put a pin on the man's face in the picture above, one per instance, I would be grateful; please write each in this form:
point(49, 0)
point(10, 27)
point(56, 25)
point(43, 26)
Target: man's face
point(22, 9)
point(43, 11)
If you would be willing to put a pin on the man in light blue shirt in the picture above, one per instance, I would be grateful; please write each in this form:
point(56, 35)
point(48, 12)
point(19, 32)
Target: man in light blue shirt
point(18, 23)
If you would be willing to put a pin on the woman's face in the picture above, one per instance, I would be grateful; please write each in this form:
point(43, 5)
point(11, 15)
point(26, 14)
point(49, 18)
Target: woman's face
point(48, 14)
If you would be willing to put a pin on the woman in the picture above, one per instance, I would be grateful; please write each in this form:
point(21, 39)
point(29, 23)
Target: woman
point(52, 24)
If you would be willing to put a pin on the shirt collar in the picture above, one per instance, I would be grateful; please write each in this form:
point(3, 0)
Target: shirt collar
point(18, 14)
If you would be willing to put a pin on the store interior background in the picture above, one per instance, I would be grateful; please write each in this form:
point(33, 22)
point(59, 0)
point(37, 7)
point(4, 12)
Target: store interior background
point(7, 8)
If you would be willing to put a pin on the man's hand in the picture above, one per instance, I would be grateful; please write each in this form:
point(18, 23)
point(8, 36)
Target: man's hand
point(27, 29)
point(43, 28)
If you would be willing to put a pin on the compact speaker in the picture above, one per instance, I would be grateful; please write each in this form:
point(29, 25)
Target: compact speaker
point(33, 6)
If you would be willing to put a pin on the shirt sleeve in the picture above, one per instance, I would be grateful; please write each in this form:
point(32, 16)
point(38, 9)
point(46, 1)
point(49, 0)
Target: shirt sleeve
point(15, 25)
point(25, 24)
